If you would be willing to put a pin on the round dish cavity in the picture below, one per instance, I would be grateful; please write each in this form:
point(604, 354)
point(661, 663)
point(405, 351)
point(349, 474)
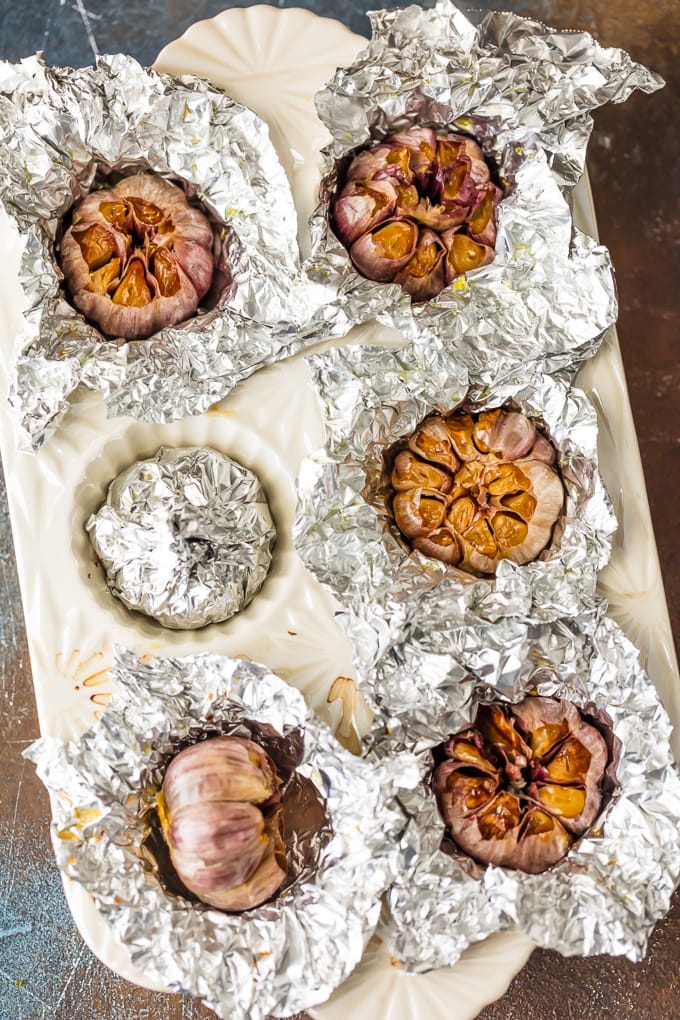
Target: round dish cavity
point(185, 537)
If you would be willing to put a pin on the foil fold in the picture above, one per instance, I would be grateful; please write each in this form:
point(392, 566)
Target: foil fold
point(277, 959)
point(616, 881)
point(524, 92)
point(370, 397)
point(185, 537)
point(61, 130)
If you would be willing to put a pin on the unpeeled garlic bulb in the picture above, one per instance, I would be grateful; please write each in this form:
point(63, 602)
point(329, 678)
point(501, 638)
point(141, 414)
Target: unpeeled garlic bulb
point(222, 819)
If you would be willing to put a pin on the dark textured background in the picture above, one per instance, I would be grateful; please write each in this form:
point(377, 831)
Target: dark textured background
point(46, 973)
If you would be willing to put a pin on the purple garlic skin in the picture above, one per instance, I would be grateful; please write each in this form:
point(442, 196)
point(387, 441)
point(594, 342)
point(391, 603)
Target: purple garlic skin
point(221, 816)
point(137, 257)
point(474, 489)
point(522, 784)
point(438, 186)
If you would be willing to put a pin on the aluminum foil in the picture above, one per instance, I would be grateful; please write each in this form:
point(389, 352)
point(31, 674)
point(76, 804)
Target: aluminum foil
point(371, 397)
point(524, 91)
point(276, 959)
point(185, 537)
point(60, 131)
point(616, 881)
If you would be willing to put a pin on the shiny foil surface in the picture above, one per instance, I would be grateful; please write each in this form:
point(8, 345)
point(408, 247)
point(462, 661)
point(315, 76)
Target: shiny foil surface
point(185, 537)
point(61, 131)
point(524, 92)
point(371, 397)
point(283, 956)
point(616, 881)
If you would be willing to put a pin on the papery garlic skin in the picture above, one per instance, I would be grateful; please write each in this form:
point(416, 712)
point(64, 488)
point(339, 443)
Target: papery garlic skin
point(221, 816)
point(137, 257)
point(475, 489)
point(520, 785)
point(439, 186)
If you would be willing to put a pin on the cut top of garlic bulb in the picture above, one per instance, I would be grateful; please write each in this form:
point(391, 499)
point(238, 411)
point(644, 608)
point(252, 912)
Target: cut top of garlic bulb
point(519, 786)
point(137, 257)
point(474, 489)
point(418, 209)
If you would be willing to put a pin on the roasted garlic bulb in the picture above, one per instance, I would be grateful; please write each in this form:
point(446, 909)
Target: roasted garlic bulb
point(137, 257)
point(418, 209)
point(522, 784)
point(221, 815)
point(474, 489)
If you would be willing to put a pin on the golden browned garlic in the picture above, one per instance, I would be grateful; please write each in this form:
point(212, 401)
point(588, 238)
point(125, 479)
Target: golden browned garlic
point(137, 257)
point(520, 785)
point(474, 489)
point(418, 209)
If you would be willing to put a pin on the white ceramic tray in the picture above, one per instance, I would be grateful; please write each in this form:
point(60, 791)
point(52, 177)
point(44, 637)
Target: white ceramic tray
point(273, 61)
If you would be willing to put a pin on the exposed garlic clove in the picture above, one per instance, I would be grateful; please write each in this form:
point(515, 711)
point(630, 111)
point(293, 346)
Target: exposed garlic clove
point(388, 160)
point(423, 276)
point(383, 251)
point(410, 472)
point(440, 544)
point(464, 254)
point(361, 206)
point(421, 146)
point(419, 511)
point(431, 441)
point(481, 223)
point(548, 491)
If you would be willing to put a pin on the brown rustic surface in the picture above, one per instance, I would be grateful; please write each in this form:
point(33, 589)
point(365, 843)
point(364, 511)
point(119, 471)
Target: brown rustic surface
point(46, 973)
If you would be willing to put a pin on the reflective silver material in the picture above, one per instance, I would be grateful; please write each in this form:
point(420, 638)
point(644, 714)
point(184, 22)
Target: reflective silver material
point(616, 881)
point(185, 537)
point(276, 959)
point(61, 132)
point(370, 398)
point(524, 91)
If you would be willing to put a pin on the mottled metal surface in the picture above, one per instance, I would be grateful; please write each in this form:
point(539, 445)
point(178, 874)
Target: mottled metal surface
point(46, 973)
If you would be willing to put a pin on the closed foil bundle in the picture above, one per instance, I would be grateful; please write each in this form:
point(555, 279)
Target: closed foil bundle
point(345, 532)
point(185, 537)
point(68, 131)
point(523, 92)
point(616, 879)
point(291, 952)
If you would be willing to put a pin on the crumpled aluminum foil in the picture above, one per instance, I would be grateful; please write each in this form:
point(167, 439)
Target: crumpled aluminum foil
point(524, 91)
point(59, 129)
point(617, 880)
point(185, 537)
point(371, 397)
point(284, 956)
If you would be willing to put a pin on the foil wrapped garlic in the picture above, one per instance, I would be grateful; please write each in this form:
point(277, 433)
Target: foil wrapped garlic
point(137, 257)
point(474, 489)
point(222, 818)
point(418, 209)
point(518, 787)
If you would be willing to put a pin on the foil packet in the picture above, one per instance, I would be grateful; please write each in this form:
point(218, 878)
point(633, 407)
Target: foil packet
point(284, 956)
point(372, 397)
point(524, 92)
point(65, 131)
point(615, 882)
point(185, 537)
